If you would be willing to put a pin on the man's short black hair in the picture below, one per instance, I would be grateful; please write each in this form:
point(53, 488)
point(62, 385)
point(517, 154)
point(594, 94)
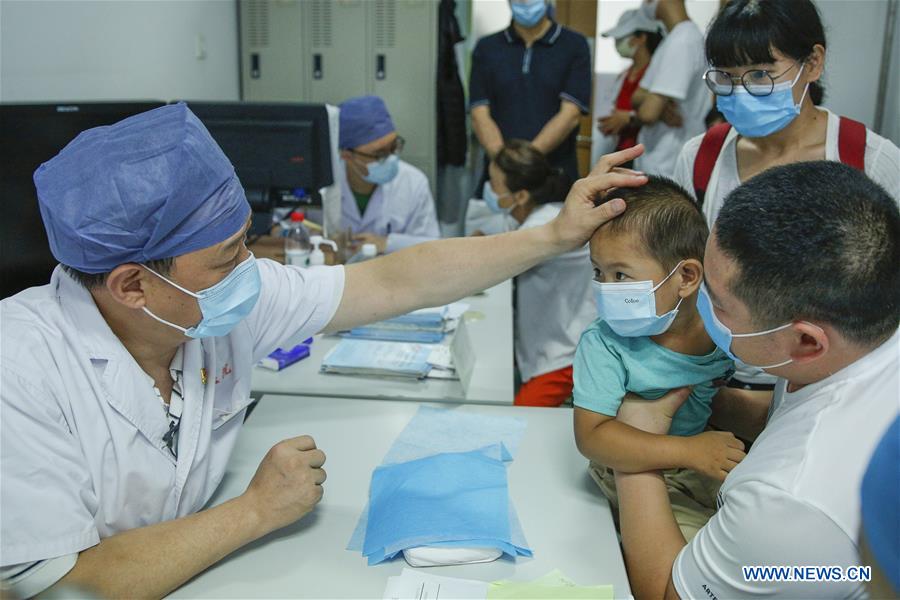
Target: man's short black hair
point(663, 214)
point(816, 241)
point(163, 266)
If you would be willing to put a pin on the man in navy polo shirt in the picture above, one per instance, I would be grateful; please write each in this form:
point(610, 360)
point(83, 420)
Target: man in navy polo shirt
point(531, 81)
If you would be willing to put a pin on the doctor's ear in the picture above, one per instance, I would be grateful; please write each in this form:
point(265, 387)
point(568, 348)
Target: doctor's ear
point(691, 273)
point(127, 283)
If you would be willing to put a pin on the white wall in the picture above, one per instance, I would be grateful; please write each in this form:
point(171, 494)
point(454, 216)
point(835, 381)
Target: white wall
point(891, 126)
point(854, 30)
point(53, 50)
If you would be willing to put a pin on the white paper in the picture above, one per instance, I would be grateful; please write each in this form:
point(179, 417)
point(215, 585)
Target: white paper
point(440, 357)
point(419, 585)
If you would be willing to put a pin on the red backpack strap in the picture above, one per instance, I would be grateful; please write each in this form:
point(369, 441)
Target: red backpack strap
point(852, 143)
point(710, 147)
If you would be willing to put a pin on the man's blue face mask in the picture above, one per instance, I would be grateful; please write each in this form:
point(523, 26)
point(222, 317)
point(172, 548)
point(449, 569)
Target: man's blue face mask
point(223, 305)
point(721, 335)
point(528, 13)
point(383, 171)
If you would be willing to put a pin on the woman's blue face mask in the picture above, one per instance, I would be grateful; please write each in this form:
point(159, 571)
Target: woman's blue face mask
point(759, 116)
point(223, 305)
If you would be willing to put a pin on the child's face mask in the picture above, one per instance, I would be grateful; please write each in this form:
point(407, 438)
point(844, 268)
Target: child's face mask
point(629, 308)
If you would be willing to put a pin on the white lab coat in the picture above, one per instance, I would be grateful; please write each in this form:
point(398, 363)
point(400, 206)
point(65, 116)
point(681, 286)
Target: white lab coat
point(402, 209)
point(82, 451)
point(554, 304)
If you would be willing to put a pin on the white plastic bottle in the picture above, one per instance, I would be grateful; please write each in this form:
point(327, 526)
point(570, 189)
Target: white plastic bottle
point(366, 252)
point(297, 245)
point(317, 257)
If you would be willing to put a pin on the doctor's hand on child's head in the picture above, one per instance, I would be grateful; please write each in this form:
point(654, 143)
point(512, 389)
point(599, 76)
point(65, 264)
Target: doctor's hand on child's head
point(714, 453)
point(584, 211)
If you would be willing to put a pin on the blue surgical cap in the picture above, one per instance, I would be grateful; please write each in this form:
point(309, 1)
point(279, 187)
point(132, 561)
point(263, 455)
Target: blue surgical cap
point(363, 120)
point(153, 186)
point(881, 504)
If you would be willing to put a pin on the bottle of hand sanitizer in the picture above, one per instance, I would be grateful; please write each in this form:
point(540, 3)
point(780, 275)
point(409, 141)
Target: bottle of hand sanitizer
point(317, 257)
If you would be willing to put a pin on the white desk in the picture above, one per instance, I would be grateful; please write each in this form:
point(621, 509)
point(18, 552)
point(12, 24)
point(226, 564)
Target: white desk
point(490, 328)
point(565, 518)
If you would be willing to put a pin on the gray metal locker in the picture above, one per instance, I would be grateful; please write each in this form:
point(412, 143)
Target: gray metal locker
point(330, 50)
point(271, 47)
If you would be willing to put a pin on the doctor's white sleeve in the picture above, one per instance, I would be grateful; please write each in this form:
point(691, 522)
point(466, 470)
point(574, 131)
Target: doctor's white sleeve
point(46, 492)
point(762, 526)
point(294, 304)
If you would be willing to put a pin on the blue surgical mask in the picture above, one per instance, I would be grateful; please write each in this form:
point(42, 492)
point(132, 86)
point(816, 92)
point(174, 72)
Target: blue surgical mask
point(629, 308)
point(383, 171)
point(223, 305)
point(722, 336)
point(759, 116)
point(528, 13)
point(492, 200)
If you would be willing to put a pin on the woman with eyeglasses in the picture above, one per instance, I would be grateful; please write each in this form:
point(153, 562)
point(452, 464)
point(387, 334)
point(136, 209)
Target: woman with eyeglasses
point(767, 59)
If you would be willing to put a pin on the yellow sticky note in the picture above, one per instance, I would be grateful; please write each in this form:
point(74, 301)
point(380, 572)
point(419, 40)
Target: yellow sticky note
point(552, 586)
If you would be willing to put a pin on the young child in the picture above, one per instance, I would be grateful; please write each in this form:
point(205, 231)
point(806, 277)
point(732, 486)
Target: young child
point(648, 341)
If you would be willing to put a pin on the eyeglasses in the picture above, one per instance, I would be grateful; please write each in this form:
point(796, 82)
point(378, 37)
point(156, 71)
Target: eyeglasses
point(757, 82)
point(395, 148)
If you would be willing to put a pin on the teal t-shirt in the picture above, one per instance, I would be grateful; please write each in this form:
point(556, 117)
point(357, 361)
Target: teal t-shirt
point(608, 366)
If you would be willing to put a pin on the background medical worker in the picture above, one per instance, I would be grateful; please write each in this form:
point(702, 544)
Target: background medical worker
point(768, 58)
point(637, 37)
point(553, 299)
point(384, 200)
point(125, 380)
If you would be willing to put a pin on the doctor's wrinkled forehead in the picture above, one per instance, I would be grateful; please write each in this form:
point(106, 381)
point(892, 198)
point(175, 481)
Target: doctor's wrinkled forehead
point(663, 220)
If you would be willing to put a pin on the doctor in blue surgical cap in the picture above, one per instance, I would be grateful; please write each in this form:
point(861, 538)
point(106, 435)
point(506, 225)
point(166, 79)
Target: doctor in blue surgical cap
point(125, 380)
point(384, 200)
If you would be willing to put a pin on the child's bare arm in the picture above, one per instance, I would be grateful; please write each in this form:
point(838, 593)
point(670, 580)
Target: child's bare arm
point(629, 450)
point(603, 439)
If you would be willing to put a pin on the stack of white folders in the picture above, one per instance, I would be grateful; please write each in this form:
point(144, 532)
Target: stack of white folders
point(385, 359)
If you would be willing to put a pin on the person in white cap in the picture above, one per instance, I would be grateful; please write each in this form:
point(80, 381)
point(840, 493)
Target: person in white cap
point(672, 101)
point(636, 37)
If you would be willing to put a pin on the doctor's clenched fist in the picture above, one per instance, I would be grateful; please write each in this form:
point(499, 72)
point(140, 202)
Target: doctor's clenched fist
point(288, 483)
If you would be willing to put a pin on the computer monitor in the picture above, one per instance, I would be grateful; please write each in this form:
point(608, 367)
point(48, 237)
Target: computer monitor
point(280, 151)
point(31, 134)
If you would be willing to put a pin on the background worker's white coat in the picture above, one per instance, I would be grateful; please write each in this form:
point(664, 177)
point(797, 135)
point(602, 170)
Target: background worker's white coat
point(401, 209)
point(554, 304)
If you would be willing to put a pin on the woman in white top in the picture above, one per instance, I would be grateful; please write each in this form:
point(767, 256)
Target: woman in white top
point(553, 300)
point(767, 58)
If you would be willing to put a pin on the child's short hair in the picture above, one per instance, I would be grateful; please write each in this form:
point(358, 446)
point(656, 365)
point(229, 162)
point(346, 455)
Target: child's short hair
point(665, 217)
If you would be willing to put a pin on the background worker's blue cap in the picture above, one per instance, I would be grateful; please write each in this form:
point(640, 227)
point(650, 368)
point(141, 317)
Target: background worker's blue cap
point(363, 120)
point(152, 186)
